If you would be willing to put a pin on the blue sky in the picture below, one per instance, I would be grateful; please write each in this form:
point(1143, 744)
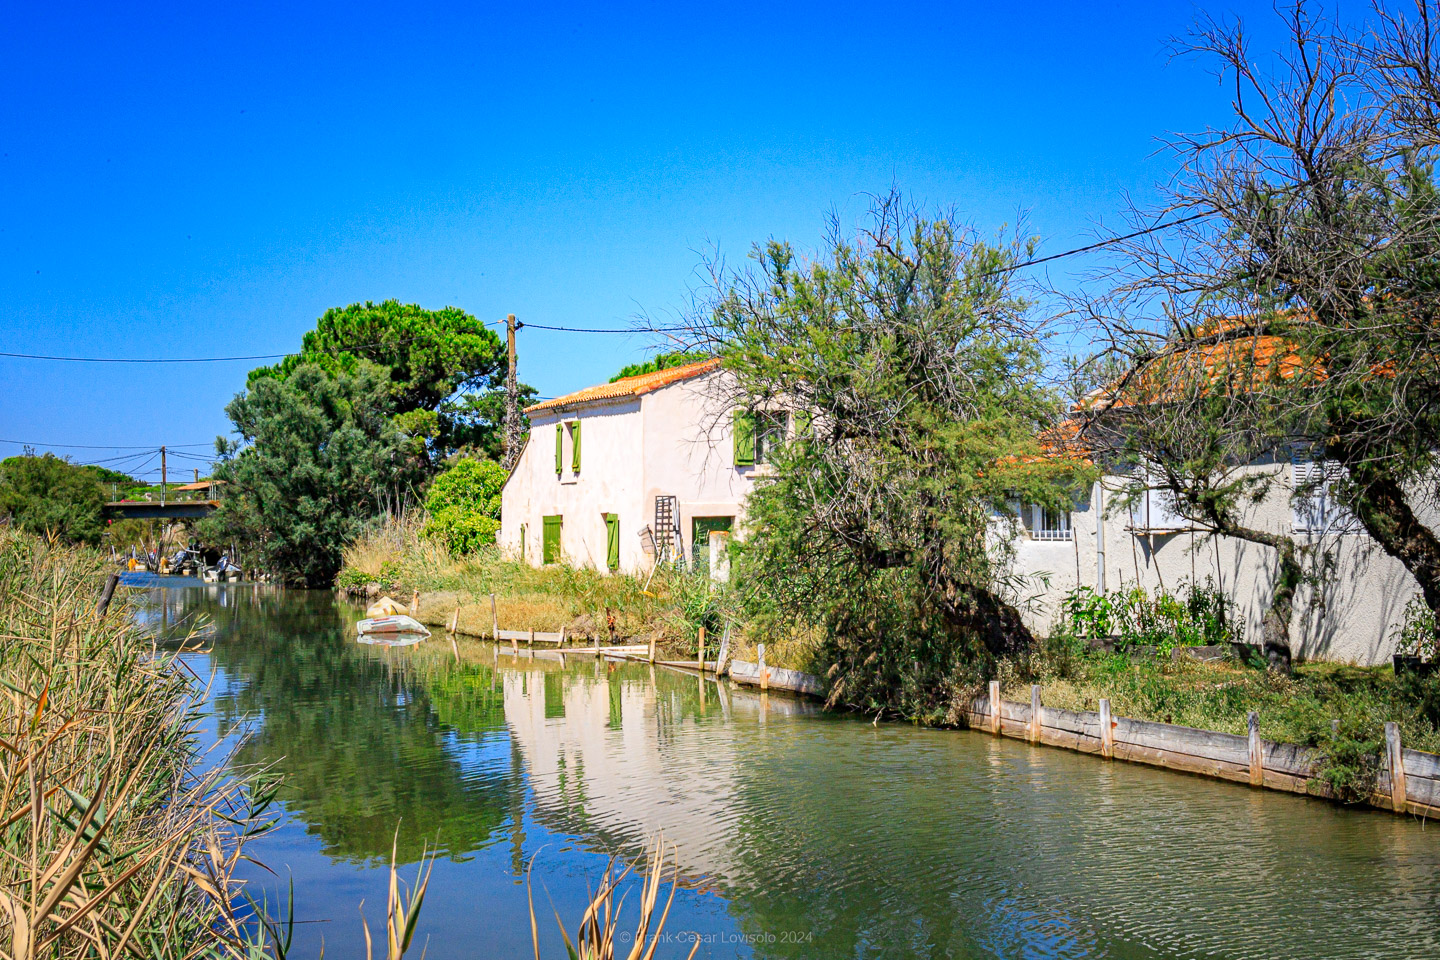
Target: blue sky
point(206, 179)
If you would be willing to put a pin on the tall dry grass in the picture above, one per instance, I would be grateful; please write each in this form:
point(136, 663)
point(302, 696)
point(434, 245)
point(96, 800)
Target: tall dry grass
point(115, 839)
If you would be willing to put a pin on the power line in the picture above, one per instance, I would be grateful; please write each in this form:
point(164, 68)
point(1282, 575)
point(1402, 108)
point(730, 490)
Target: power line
point(259, 356)
point(1100, 244)
point(538, 326)
point(1094, 246)
point(84, 446)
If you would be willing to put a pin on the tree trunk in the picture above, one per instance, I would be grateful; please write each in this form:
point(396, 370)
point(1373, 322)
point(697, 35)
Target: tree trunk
point(1275, 624)
point(1379, 503)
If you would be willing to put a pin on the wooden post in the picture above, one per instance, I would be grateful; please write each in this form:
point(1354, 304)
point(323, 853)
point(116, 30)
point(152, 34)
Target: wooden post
point(700, 652)
point(414, 603)
point(652, 648)
point(1257, 756)
point(764, 674)
point(1396, 754)
point(494, 621)
point(1107, 731)
point(1035, 715)
point(724, 652)
point(995, 706)
point(454, 621)
point(513, 429)
point(108, 594)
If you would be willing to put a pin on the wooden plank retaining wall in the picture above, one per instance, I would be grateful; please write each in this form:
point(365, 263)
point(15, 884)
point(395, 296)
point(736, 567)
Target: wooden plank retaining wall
point(1409, 780)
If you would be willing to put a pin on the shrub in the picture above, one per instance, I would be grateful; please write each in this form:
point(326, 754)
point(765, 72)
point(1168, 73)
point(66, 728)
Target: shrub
point(1200, 615)
point(1416, 636)
point(464, 505)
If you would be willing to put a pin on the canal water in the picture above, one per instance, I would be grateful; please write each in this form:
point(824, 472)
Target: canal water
point(797, 834)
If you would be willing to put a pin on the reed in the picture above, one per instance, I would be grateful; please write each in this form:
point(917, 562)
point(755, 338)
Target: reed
point(597, 937)
point(115, 839)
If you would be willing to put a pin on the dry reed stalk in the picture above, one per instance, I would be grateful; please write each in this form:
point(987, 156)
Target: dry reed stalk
point(111, 842)
point(599, 928)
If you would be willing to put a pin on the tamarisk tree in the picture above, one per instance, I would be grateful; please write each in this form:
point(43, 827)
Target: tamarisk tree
point(910, 372)
point(1311, 222)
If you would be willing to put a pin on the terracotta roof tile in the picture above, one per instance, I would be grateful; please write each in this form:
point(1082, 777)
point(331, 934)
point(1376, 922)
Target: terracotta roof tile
point(627, 387)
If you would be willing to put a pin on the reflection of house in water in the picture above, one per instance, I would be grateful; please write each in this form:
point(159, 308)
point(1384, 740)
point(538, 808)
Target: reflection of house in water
point(612, 754)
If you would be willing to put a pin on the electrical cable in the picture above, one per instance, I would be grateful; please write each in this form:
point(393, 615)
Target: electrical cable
point(259, 356)
point(538, 326)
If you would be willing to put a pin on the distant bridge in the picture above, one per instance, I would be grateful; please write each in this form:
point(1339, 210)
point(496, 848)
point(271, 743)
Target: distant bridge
point(153, 510)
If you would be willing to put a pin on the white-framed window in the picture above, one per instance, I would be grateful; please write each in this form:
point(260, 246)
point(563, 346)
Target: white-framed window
point(1313, 507)
point(1047, 523)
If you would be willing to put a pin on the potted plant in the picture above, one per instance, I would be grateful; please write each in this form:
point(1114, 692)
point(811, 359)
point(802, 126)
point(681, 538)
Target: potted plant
point(1416, 645)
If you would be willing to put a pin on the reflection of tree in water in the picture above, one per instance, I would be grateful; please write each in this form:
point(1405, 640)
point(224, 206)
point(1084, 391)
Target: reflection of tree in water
point(364, 739)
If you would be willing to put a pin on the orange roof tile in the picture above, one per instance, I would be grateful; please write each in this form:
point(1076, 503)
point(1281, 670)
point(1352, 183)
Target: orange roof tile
point(627, 387)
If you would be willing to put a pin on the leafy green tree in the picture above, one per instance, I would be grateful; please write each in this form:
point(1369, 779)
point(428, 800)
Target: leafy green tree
point(427, 354)
point(444, 363)
point(320, 454)
point(52, 497)
point(912, 376)
point(661, 361)
point(464, 505)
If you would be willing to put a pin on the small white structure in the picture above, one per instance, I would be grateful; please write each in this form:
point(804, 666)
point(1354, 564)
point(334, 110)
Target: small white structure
point(622, 475)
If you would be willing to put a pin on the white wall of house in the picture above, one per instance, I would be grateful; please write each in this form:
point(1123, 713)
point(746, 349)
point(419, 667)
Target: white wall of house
point(689, 453)
point(675, 440)
point(1350, 617)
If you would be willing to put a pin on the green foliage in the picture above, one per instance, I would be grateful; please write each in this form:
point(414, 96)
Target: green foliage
point(52, 497)
point(426, 355)
point(661, 361)
point(464, 505)
point(443, 362)
point(1200, 615)
point(106, 475)
point(322, 457)
point(1350, 760)
point(1416, 636)
point(913, 379)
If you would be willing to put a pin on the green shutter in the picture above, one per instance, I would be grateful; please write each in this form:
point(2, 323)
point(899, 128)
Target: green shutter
point(550, 544)
point(559, 446)
point(575, 447)
point(743, 427)
point(612, 541)
point(522, 542)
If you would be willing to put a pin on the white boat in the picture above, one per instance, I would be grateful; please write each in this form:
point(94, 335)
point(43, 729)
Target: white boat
point(384, 628)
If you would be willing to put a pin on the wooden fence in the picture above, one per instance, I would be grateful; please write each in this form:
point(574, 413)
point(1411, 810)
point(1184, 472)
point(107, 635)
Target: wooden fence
point(1409, 780)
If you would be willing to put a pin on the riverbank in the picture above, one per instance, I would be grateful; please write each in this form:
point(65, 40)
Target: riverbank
point(135, 844)
point(669, 609)
point(1336, 709)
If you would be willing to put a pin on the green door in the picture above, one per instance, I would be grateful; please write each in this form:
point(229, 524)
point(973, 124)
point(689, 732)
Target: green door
point(550, 545)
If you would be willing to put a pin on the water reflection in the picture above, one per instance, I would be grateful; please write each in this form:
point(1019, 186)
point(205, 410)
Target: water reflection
point(799, 834)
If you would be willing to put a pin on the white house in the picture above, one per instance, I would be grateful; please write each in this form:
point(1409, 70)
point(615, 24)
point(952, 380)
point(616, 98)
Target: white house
point(1112, 540)
point(616, 475)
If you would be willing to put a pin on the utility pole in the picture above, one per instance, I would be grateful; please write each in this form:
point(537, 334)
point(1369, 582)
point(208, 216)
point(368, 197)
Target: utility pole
point(162, 476)
point(512, 397)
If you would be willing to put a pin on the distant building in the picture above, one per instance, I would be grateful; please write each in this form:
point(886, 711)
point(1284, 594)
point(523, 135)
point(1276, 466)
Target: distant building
point(620, 475)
